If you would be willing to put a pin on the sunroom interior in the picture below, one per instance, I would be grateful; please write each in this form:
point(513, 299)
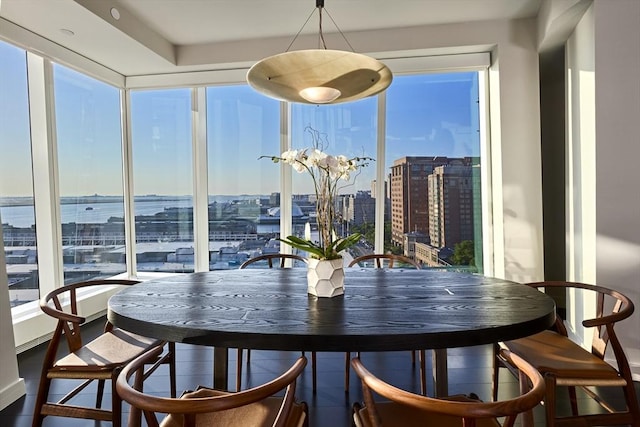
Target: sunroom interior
point(558, 95)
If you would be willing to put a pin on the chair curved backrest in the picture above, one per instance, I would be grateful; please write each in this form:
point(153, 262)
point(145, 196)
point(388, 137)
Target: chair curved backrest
point(98, 360)
point(211, 407)
point(55, 305)
point(608, 313)
point(415, 409)
point(391, 259)
point(271, 257)
point(566, 363)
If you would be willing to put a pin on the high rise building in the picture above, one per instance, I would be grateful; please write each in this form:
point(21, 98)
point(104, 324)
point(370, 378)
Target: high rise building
point(409, 195)
point(451, 204)
point(360, 208)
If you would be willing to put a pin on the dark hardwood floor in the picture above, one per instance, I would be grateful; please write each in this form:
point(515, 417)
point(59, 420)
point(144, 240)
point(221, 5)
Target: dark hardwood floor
point(330, 406)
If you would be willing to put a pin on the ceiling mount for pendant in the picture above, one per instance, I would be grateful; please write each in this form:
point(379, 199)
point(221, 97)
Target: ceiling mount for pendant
point(319, 76)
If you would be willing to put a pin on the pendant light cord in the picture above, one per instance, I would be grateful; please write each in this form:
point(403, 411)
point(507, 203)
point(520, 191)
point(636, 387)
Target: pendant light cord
point(321, 41)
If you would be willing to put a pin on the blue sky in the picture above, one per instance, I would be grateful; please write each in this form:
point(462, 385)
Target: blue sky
point(428, 114)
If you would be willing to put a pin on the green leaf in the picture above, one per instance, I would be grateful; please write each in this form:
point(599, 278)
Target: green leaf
point(347, 242)
point(304, 245)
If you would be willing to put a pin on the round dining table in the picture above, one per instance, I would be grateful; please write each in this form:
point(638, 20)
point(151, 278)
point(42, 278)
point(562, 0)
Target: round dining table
point(381, 310)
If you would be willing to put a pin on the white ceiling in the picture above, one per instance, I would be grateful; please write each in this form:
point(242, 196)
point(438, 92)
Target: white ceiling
point(154, 36)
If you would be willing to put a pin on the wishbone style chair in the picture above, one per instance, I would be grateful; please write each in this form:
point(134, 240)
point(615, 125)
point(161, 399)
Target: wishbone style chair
point(388, 261)
point(255, 407)
point(402, 408)
point(99, 360)
point(565, 363)
point(270, 258)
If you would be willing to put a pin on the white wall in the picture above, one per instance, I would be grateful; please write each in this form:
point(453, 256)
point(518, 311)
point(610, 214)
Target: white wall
point(617, 109)
point(603, 148)
point(12, 386)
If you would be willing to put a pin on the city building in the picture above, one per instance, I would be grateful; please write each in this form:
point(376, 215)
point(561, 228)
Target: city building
point(410, 195)
point(450, 201)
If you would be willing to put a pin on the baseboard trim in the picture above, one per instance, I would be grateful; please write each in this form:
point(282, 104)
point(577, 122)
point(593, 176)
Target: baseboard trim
point(12, 392)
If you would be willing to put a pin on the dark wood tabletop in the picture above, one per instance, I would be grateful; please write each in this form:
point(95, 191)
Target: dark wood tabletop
point(381, 310)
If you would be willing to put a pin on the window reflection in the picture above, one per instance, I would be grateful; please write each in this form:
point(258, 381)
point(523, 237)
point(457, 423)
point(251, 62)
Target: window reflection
point(162, 177)
point(90, 170)
point(433, 165)
point(17, 213)
point(244, 190)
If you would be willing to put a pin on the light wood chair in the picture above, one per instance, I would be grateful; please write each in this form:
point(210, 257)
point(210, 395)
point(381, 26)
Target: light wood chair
point(406, 409)
point(207, 407)
point(98, 360)
point(565, 363)
point(270, 258)
point(388, 261)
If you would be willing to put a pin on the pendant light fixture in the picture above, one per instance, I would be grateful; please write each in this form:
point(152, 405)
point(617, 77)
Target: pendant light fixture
point(319, 76)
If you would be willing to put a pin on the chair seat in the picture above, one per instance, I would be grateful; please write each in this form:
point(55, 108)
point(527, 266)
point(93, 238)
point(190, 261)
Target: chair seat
point(553, 353)
point(393, 414)
point(259, 414)
point(108, 351)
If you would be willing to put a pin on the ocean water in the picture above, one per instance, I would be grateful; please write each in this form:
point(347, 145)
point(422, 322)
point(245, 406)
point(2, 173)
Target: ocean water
point(90, 213)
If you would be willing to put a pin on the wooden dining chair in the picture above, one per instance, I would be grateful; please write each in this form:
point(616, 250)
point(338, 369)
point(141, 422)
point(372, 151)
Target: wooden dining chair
point(388, 261)
point(100, 359)
point(402, 408)
point(270, 258)
point(255, 407)
point(565, 363)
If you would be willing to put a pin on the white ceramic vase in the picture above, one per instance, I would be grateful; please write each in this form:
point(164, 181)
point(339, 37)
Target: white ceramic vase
point(325, 277)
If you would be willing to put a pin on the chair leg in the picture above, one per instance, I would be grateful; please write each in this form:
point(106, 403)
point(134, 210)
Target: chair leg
point(239, 369)
point(116, 405)
point(314, 376)
point(172, 369)
point(99, 393)
point(573, 398)
point(550, 400)
point(41, 399)
point(527, 417)
point(423, 372)
point(632, 402)
point(496, 373)
point(347, 370)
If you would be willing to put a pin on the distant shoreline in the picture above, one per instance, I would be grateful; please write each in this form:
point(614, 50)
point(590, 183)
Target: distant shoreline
point(28, 201)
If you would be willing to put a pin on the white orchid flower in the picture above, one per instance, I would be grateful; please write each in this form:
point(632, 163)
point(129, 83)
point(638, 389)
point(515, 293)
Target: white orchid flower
point(316, 159)
point(290, 156)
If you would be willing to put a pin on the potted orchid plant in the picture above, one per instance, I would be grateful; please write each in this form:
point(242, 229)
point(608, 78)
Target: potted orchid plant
point(328, 172)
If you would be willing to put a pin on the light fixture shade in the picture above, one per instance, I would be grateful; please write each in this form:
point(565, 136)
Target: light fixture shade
point(286, 75)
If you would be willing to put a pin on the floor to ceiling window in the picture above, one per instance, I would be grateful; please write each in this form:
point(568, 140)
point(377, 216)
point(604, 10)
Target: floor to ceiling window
point(16, 182)
point(432, 153)
point(243, 189)
point(161, 140)
point(347, 129)
point(89, 145)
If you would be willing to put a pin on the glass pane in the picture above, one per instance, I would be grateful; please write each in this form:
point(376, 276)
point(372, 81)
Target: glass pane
point(90, 169)
point(16, 182)
point(344, 129)
point(244, 190)
point(162, 179)
point(433, 162)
